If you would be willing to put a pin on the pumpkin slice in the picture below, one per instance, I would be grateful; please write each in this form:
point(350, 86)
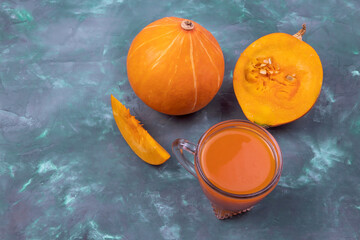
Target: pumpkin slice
point(278, 79)
point(136, 136)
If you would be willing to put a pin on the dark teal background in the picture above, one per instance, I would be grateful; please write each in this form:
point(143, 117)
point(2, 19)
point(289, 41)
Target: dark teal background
point(67, 173)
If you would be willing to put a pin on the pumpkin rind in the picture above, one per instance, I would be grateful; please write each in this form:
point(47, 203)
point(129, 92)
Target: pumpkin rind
point(139, 140)
point(174, 70)
point(277, 79)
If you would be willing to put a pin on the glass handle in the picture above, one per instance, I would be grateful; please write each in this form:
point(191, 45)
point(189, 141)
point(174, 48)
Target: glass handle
point(177, 147)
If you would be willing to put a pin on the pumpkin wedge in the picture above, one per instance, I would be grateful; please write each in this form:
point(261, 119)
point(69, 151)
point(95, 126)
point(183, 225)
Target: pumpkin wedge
point(139, 140)
point(278, 79)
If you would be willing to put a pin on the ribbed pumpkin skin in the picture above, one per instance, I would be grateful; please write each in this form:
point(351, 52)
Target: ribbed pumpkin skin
point(173, 70)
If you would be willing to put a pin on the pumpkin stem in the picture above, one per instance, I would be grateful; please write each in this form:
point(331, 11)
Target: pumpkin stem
point(187, 25)
point(301, 32)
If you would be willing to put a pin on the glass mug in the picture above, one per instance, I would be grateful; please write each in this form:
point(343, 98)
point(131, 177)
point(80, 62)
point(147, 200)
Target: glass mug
point(224, 202)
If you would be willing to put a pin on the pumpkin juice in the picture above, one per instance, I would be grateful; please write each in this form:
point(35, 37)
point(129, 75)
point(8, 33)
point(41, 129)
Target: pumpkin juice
point(238, 164)
point(237, 161)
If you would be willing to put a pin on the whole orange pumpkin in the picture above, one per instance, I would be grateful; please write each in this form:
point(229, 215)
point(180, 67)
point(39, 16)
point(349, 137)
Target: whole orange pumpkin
point(175, 66)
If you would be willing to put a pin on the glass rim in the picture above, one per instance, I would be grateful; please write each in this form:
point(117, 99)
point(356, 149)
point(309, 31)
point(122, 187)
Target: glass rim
point(264, 134)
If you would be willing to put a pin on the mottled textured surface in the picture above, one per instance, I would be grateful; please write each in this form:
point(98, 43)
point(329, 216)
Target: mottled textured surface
point(66, 172)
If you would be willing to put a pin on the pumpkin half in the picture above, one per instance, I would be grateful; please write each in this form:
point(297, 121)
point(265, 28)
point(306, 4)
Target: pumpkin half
point(136, 136)
point(278, 79)
point(175, 66)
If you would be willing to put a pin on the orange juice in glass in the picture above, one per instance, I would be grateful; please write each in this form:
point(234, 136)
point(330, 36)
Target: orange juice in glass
point(237, 164)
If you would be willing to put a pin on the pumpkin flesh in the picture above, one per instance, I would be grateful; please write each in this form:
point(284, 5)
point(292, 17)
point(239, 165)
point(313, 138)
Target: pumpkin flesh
point(139, 140)
point(277, 79)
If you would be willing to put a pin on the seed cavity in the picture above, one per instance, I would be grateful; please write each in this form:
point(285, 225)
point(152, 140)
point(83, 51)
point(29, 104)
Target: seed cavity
point(266, 76)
